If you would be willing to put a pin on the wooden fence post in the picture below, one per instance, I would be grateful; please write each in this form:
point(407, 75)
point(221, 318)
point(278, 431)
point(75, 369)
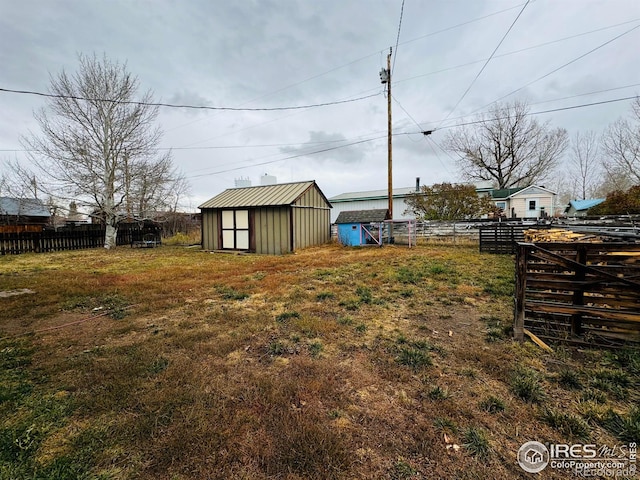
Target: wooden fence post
point(521, 286)
point(578, 292)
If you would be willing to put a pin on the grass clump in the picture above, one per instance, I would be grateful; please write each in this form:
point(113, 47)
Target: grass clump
point(611, 381)
point(445, 424)
point(592, 395)
point(229, 293)
point(569, 379)
point(476, 442)
point(492, 404)
point(573, 426)
point(284, 317)
point(625, 427)
point(525, 384)
point(402, 470)
point(438, 393)
point(315, 348)
point(324, 296)
point(413, 358)
point(277, 348)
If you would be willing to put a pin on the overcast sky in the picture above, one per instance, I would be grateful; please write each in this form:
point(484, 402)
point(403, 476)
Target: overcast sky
point(283, 53)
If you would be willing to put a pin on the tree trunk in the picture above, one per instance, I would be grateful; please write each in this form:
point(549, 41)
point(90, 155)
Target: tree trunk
point(110, 236)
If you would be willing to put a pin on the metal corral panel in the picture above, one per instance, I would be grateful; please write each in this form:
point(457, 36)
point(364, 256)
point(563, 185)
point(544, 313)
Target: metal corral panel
point(261, 196)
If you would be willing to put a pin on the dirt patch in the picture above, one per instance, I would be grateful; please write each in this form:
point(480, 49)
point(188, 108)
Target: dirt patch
point(13, 293)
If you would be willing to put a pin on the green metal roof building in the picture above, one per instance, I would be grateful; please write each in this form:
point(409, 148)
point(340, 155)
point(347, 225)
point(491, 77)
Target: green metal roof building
point(270, 219)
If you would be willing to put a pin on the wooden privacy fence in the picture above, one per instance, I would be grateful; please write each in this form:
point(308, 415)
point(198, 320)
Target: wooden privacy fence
point(87, 236)
point(49, 241)
point(578, 293)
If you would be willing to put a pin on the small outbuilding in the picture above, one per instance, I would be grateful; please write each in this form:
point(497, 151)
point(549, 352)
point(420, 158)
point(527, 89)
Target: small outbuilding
point(579, 208)
point(271, 219)
point(361, 227)
point(23, 215)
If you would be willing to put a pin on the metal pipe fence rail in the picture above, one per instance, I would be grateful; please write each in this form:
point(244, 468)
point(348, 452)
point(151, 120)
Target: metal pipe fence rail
point(578, 293)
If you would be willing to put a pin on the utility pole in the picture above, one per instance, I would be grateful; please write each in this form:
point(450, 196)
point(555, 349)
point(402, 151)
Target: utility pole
point(385, 77)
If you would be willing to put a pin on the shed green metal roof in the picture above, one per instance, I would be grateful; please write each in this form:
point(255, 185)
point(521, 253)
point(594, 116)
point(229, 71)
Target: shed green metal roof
point(260, 196)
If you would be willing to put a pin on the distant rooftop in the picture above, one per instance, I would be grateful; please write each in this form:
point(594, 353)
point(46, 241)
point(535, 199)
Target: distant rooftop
point(579, 205)
point(29, 207)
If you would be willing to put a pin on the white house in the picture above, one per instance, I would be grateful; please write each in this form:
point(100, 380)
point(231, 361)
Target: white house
point(523, 202)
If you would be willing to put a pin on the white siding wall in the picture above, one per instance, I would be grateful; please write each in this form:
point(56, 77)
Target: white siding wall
point(398, 207)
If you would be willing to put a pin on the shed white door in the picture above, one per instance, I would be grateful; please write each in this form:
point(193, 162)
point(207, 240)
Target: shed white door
point(235, 229)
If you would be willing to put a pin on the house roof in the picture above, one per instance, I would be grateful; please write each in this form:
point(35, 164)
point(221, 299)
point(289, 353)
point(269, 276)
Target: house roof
point(264, 195)
point(580, 205)
point(372, 195)
point(504, 192)
point(29, 207)
point(363, 216)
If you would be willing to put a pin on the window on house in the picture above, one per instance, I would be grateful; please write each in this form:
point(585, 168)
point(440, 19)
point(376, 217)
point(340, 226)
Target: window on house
point(532, 204)
point(501, 205)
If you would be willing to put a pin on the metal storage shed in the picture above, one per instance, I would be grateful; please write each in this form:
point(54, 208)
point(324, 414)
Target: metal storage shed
point(272, 219)
point(361, 227)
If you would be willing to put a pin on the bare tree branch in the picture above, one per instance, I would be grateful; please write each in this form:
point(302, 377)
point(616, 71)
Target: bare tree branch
point(507, 147)
point(100, 147)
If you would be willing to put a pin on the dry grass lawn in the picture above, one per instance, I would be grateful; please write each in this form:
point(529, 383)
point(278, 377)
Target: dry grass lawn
point(333, 363)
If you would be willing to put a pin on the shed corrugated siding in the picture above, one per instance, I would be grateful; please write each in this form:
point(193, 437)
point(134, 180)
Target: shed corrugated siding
point(210, 229)
point(311, 220)
point(272, 230)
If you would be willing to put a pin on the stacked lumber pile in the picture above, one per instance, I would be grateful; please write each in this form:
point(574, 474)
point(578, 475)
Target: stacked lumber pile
point(560, 235)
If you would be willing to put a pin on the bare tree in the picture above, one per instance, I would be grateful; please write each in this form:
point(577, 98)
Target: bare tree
point(507, 147)
point(621, 144)
point(584, 164)
point(99, 143)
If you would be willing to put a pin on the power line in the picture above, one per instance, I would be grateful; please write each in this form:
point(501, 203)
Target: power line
point(487, 62)
point(193, 107)
point(557, 69)
point(393, 68)
point(572, 107)
point(287, 158)
point(513, 52)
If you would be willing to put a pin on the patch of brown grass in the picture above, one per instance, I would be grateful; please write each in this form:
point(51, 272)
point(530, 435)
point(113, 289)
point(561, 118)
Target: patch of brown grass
point(330, 363)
